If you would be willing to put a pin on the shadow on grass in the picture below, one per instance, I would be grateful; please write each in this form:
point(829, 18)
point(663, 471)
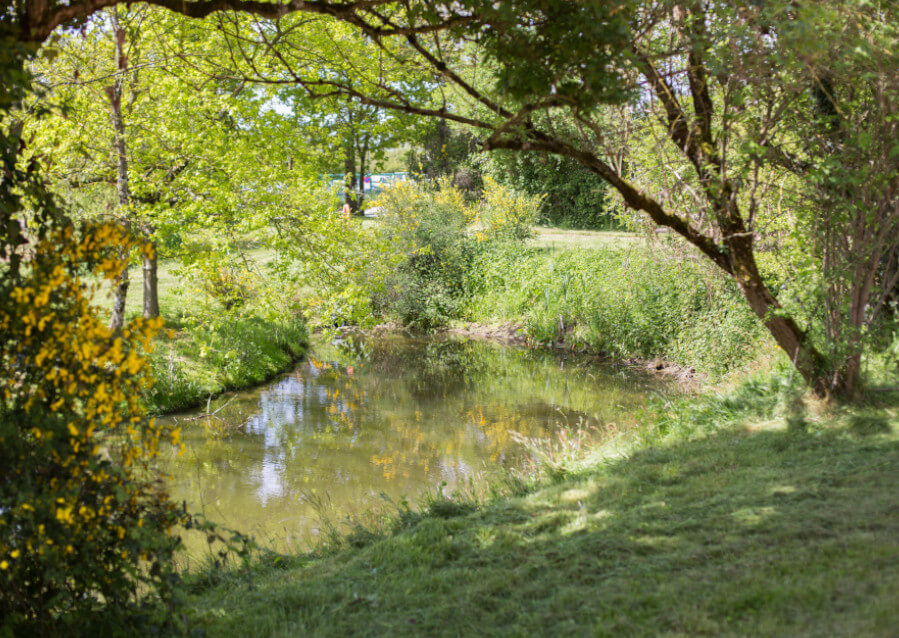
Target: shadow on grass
point(770, 533)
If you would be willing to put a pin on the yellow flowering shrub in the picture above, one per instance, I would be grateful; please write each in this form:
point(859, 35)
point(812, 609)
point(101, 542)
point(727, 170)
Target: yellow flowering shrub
point(84, 522)
point(507, 213)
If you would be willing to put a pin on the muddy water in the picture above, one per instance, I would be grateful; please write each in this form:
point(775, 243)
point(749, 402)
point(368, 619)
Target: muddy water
point(364, 422)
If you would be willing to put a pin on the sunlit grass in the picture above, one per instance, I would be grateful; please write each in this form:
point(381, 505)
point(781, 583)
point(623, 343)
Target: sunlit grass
point(206, 355)
point(709, 527)
point(561, 238)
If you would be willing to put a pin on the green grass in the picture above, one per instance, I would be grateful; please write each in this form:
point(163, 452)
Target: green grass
point(204, 360)
point(731, 523)
point(212, 351)
point(175, 298)
point(562, 238)
point(626, 301)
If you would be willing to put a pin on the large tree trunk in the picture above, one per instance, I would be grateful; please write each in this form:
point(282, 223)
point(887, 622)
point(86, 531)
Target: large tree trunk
point(115, 109)
point(151, 277)
point(785, 331)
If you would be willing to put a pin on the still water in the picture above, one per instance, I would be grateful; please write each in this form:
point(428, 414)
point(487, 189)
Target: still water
point(366, 421)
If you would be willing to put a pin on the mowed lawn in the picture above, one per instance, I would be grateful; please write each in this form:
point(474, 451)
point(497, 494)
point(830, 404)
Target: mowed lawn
point(561, 238)
point(751, 530)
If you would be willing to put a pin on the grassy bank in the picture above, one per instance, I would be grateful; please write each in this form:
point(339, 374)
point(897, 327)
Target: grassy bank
point(614, 294)
point(202, 360)
point(720, 519)
point(441, 259)
point(205, 350)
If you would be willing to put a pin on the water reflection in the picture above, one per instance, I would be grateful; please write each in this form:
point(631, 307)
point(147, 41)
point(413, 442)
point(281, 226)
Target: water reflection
point(390, 416)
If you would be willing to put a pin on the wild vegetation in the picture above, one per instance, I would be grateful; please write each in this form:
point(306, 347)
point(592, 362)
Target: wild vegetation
point(748, 151)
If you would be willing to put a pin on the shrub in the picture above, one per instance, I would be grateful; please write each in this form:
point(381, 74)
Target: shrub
point(428, 226)
point(504, 213)
point(84, 525)
point(573, 197)
point(229, 285)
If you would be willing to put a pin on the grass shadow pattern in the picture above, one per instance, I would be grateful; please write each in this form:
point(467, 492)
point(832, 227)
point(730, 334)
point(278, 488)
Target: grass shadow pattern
point(738, 533)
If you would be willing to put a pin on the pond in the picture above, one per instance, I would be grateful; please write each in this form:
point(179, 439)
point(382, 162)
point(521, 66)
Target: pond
point(365, 422)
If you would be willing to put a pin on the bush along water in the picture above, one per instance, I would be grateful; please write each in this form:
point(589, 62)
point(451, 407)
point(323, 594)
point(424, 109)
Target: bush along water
point(205, 358)
point(440, 236)
point(442, 257)
point(86, 532)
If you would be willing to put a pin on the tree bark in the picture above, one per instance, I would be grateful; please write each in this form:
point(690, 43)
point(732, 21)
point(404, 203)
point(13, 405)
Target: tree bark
point(349, 168)
point(124, 195)
point(151, 277)
point(363, 155)
point(783, 328)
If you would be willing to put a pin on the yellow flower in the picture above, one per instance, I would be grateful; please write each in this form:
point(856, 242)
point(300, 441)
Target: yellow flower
point(4, 564)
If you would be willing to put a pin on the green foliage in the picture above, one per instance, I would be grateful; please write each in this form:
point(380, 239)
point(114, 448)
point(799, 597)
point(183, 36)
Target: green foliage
point(438, 235)
point(229, 284)
point(337, 265)
point(211, 348)
point(568, 50)
point(205, 358)
point(428, 225)
point(506, 214)
point(443, 152)
point(624, 302)
point(573, 197)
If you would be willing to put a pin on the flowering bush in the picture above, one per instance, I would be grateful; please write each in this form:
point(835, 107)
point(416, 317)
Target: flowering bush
point(429, 227)
point(505, 213)
point(83, 521)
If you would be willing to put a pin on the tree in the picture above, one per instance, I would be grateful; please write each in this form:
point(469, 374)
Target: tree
point(716, 86)
point(199, 156)
point(358, 133)
point(84, 522)
point(442, 151)
point(340, 134)
point(574, 196)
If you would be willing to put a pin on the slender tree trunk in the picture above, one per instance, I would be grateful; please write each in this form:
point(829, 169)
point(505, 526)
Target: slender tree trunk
point(151, 278)
point(349, 167)
point(363, 154)
point(124, 195)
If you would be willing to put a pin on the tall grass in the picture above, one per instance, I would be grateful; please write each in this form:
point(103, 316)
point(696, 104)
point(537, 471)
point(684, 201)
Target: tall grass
point(632, 301)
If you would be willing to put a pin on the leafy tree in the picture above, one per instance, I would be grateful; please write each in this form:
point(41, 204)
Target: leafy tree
point(339, 134)
point(198, 157)
point(715, 88)
point(84, 523)
point(362, 133)
point(575, 196)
